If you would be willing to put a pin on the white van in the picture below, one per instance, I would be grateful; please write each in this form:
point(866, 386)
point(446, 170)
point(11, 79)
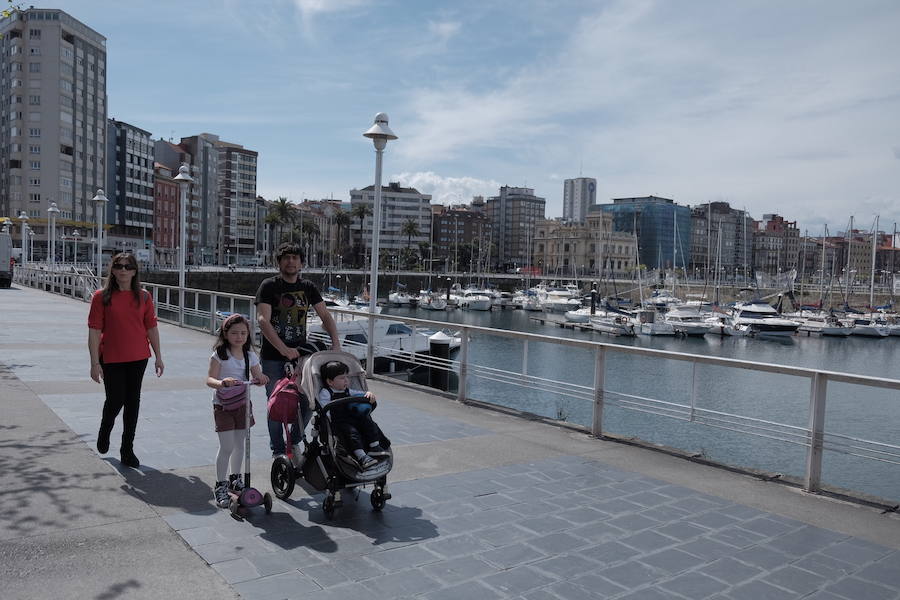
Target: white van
point(6, 260)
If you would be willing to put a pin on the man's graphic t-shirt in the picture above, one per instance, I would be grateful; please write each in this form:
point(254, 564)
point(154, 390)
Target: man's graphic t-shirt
point(291, 302)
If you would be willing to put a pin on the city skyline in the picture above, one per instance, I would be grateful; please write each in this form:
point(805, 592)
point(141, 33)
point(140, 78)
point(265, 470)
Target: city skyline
point(775, 109)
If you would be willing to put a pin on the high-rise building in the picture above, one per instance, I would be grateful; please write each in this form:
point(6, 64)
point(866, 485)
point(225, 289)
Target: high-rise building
point(399, 206)
point(460, 238)
point(171, 156)
point(53, 127)
point(721, 237)
point(579, 195)
point(663, 229)
point(204, 151)
point(776, 245)
point(129, 187)
point(514, 213)
point(237, 195)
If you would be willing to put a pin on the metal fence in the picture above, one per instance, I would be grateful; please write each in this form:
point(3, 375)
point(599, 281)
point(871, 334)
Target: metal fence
point(204, 310)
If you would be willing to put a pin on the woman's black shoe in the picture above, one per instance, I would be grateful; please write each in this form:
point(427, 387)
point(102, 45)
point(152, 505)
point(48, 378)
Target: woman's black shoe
point(130, 460)
point(102, 443)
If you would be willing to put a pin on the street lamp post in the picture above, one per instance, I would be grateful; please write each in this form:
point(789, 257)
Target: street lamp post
point(51, 245)
point(101, 200)
point(76, 235)
point(24, 218)
point(184, 179)
point(31, 243)
point(379, 133)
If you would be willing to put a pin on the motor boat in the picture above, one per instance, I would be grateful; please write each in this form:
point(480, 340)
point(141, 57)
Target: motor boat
point(432, 301)
point(649, 322)
point(824, 324)
point(581, 315)
point(399, 298)
point(688, 322)
point(613, 324)
point(662, 300)
point(393, 339)
point(475, 300)
point(759, 318)
point(868, 327)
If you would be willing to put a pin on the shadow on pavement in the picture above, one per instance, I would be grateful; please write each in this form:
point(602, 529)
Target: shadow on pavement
point(165, 489)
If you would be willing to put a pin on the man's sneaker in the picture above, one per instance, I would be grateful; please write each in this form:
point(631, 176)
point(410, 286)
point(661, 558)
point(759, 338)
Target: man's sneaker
point(367, 462)
point(221, 494)
point(377, 451)
point(236, 483)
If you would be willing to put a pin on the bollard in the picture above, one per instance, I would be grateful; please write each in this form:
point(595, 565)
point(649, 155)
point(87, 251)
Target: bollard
point(439, 375)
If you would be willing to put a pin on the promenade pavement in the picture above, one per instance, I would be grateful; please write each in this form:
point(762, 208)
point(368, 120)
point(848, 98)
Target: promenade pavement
point(485, 504)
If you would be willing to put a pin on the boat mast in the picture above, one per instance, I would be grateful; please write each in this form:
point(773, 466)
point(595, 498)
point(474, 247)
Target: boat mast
point(718, 259)
point(872, 274)
point(847, 281)
point(822, 281)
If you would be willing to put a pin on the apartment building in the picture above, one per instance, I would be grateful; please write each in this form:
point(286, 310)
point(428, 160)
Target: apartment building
point(514, 213)
point(579, 195)
point(53, 125)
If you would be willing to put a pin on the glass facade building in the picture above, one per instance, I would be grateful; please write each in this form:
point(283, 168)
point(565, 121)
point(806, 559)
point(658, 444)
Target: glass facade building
point(663, 229)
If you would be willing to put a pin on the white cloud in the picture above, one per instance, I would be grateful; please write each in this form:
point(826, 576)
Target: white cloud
point(443, 30)
point(783, 109)
point(447, 190)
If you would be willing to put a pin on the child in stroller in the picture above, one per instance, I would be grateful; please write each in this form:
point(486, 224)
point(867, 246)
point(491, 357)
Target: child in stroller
point(352, 421)
point(326, 465)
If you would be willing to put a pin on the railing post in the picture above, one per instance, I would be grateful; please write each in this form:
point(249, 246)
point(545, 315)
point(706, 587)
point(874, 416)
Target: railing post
point(817, 393)
point(525, 358)
point(694, 385)
point(599, 372)
point(370, 346)
point(462, 392)
point(213, 309)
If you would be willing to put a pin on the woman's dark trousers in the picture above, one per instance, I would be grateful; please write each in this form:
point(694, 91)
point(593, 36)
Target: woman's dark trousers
point(122, 382)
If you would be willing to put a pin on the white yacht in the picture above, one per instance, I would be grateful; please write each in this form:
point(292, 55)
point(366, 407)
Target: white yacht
point(613, 324)
point(823, 324)
point(649, 322)
point(432, 301)
point(759, 318)
point(689, 322)
point(868, 327)
point(399, 298)
point(392, 338)
point(475, 300)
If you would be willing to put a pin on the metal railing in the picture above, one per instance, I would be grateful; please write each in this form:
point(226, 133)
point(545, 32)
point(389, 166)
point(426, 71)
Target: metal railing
point(203, 310)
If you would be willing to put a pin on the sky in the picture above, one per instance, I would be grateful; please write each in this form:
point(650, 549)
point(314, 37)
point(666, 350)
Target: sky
point(775, 107)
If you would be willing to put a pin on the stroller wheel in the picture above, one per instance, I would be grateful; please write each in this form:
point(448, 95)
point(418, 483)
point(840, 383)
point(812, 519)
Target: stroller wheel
point(377, 498)
point(267, 502)
point(328, 505)
point(282, 477)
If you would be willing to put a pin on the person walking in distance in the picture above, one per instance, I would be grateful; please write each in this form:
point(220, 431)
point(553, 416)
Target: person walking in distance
point(283, 303)
point(122, 329)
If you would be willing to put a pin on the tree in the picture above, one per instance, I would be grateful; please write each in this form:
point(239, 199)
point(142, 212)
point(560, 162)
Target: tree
point(409, 229)
point(361, 211)
point(342, 219)
point(283, 213)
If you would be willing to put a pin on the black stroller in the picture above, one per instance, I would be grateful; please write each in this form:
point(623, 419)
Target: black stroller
point(325, 464)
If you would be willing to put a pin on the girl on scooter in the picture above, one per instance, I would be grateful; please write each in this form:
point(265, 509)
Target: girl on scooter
point(232, 362)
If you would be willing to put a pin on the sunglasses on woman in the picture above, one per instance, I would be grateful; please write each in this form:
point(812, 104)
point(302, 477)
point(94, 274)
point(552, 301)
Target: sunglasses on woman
point(127, 267)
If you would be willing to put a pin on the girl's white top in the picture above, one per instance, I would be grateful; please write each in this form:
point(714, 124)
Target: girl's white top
point(233, 367)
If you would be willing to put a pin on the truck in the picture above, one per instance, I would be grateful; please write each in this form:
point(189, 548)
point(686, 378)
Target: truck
point(6, 260)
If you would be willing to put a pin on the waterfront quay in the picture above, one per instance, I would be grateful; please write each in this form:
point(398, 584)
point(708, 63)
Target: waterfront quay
point(486, 504)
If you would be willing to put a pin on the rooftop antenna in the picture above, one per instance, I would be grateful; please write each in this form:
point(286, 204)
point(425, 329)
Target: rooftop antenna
point(581, 168)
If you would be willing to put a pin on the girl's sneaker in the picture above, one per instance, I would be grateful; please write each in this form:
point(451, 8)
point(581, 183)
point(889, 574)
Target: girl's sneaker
point(221, 494)
point(366, 462)
point(236, 483)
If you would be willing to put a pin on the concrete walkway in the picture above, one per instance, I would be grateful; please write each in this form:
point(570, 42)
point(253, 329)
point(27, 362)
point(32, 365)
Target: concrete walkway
point(485, 505)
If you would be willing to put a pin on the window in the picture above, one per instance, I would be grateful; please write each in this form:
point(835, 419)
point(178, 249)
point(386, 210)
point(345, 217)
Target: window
point(34, 34)
point(34, 149)
point(34, 51)
point(34, 100)
point(35, 165)
point(35, 181)
point(34, 67)
point(34, 197)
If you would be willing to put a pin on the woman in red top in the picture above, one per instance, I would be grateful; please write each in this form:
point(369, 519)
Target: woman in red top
point(121, 323)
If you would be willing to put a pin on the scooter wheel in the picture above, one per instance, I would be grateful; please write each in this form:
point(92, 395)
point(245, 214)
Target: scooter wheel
point(328, 506)
point(267, 502)
point(377, 498)
point(282, 477)
point(235, 508)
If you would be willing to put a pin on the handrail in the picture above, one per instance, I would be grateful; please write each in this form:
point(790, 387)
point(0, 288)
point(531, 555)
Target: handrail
point(202, 314)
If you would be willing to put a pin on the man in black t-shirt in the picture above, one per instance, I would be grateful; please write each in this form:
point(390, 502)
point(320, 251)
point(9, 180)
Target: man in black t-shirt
point(282, 306)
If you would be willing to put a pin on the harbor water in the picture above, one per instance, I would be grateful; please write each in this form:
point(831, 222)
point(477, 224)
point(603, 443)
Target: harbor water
point(856, 411)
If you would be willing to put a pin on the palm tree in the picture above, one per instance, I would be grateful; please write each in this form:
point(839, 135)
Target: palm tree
point(342, 219)
point(361, 211)
point(283, 212)
point(409, 229)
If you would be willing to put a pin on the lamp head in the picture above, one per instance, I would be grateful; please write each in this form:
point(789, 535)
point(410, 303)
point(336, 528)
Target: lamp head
point(100, 197)
point(380, 130)
point(184, 174)
point(23, 216)
point(54, 209)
